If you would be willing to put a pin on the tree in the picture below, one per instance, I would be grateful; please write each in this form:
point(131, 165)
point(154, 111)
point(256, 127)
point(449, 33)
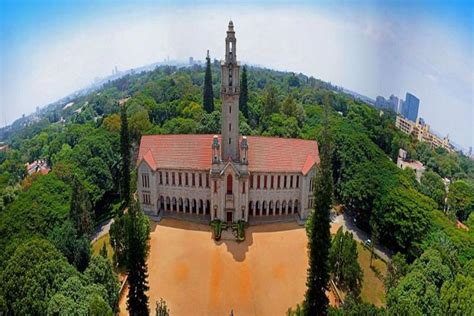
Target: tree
point(32, 275)
point(271, 103)
point(208, 93)
point(100, 271)
point(461, 199)
point(75, 248)
point(402, 216)
point(81, 208)
point(345, 269)
point(397, 268)
point(161, 308)
point(457, 295)
point(138, 236)
point(432, 185)
point(125, 153)
point(316, 301)
point(244, 94)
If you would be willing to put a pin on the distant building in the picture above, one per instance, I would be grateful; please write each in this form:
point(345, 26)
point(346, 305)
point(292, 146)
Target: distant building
point(380, 102)
point(384, 104)
point(410, 107)
point(400, 106)
point(3, 148)
point(393, 103)
point(191, 61)
point(37, 166)
point(421, 131)
point(403, 163)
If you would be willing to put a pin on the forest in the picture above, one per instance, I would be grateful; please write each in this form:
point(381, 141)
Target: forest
point(46, 221)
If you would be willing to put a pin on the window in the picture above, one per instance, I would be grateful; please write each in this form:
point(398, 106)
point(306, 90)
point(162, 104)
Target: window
point(161, 178)
point(145, 180)
point(215, 186)
point(297, 180)
point(230, 109)
point(229, 184)
point(251, 181)
point(167, 179)
point(207, 180)
point(229, 140)
point(186, 182)
point(284, 182)
point(291, 181)
point(230, 127)
point(243, 187)
point(146, 198)
point(271, 182)
point(173, 182)
point(258, 182)
point(179, 179)
point(193, 180)
point(265, 182)
point(200, 180)
point(278, 182)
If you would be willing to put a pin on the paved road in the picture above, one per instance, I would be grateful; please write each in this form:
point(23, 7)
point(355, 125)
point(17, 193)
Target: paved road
point(347, 222)
point(102, 230)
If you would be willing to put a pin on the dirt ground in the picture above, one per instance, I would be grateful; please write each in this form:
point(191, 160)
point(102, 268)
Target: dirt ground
point(265, 275)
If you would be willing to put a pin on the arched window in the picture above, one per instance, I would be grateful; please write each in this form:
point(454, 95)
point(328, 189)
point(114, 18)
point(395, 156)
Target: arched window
point(257, 208)
point(270, 208)
point(186, 206)
point(229, 184)
point(168, 203)
point(193, 206)
point(290, 207)
point(208, 207)
point(250, 208)
point(180, 205)
point(264, 208)
point(174, 204)
point(283, 207)
point(162, 203)
point(277, 208)
point(295, 208)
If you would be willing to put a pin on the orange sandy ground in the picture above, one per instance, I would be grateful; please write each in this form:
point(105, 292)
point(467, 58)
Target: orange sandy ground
point(264, 275)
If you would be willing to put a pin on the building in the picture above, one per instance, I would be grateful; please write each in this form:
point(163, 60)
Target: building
point(410, 107)
point(3, 147)
point(393, 103)
point(403, 163)
point(229, 176)
point(421, 131)
point(37, 166)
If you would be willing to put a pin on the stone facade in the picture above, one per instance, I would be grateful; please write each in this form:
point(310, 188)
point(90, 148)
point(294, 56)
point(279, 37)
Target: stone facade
point(228, 177)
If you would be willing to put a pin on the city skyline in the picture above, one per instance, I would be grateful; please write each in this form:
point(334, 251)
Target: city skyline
point(354, 46)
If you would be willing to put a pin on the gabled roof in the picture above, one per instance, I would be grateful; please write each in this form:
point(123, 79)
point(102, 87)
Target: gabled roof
point(266, 154)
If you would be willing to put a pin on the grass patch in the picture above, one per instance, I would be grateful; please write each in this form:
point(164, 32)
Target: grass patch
point(373, 289)
point(97, 245)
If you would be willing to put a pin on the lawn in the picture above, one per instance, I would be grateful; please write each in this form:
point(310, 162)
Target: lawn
point(373, 290)
point(96, 246)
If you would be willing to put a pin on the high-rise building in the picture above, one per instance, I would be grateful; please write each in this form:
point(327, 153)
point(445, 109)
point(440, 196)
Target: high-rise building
point(393, 103)
point(380, 102)
point(410, 107)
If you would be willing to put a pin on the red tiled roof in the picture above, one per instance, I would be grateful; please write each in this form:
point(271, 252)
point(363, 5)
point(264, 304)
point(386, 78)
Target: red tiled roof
point(266, 154)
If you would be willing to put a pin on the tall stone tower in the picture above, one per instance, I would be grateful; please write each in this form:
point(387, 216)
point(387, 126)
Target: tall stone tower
point(230, 90)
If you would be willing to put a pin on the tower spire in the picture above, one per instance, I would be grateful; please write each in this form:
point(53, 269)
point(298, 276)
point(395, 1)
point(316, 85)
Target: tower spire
point(230, 90)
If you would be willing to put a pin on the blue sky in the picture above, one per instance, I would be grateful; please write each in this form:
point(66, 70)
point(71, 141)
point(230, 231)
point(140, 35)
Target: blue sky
point(49, 49)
